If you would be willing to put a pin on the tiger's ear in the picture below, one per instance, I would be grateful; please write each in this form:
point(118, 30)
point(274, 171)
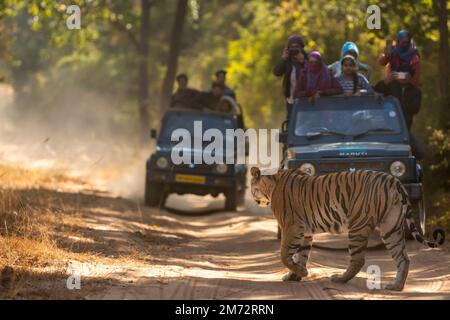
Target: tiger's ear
point(256, 173)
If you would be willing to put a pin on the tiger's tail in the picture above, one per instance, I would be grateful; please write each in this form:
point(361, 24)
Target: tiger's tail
point(438, 234)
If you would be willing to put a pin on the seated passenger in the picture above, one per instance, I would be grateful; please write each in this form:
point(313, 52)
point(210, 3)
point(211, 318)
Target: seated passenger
point(352, 83)
point(350, 48)
point(316, 80)
point(209, 100)
point(184, 96)
point(228, 105)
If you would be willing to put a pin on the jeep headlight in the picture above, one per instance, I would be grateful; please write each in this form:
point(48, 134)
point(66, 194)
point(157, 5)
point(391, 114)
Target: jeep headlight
point(221, 168)
point(162, 163)
point(290, 154)
point(308, 168)
point(397, 168)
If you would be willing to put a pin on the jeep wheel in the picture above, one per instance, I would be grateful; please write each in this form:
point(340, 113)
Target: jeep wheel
point(241, 197)
point(231, 198)
point(154, 195)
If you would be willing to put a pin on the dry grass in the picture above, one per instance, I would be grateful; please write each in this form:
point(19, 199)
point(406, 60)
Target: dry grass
point(49, 220)
point(26, 223)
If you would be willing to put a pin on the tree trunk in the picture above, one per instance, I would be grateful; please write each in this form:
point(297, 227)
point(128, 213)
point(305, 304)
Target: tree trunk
point(174, 52)
point(143, 51)
point(443, 60)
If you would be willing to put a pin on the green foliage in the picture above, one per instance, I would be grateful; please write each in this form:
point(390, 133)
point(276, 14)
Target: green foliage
point(439, 144)
point(47, 64)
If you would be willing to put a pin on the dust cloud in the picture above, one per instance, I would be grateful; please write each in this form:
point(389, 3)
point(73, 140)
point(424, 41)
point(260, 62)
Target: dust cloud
point(82, 135)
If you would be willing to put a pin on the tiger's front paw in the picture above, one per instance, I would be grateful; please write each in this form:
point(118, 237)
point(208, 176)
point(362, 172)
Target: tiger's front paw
point(299, 270)
point(291, 276)
point(393, 286)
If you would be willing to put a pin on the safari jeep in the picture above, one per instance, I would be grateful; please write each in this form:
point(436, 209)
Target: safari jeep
point(352, 133)
point(163, 176)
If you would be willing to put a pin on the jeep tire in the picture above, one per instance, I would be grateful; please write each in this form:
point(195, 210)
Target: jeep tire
point(241, 197)
point(231, 199)
point(154, 194)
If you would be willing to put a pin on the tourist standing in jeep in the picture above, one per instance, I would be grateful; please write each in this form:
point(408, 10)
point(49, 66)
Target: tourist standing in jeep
point(221, 77)
point(402, 79)
point(184, 96)
point(290, 67)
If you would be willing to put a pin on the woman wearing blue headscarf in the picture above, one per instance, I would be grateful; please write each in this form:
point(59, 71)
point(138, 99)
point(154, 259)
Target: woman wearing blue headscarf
point(350, 48)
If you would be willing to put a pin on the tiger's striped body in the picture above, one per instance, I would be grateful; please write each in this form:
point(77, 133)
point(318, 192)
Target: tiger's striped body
point(357, 202)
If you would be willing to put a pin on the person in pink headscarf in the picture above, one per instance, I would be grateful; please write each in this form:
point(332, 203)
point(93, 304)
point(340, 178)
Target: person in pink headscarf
point(316, 80)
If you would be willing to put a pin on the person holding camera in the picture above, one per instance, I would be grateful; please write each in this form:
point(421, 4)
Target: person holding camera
point(290, 67)
point(402, 79)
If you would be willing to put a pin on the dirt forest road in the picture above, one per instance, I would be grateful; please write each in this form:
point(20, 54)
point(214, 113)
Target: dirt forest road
point(235, 255)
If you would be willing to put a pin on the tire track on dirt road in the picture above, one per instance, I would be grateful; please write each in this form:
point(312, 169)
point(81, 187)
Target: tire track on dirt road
point(235, 255)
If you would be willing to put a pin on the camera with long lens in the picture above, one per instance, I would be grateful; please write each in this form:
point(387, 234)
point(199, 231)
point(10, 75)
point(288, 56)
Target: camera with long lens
point(293, 52)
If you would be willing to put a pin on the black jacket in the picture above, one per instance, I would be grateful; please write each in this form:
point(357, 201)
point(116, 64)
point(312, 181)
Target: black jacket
point(206, 100)
point(183, 98)
point(284, 69)
point(229, 92)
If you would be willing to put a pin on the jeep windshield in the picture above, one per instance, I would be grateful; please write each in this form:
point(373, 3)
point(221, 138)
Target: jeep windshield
point(347, 117)
point(185, 121)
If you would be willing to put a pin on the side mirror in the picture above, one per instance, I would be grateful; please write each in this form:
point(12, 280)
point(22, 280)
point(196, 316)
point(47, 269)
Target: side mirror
point(284, 126)
point(153, 133)
point(282, 137)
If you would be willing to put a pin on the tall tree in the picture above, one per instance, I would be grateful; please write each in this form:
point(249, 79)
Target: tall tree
point(141, 44)
point(174, 52)
point(143, 93)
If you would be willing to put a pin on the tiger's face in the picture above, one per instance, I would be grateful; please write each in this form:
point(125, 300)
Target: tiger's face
point(261, 187)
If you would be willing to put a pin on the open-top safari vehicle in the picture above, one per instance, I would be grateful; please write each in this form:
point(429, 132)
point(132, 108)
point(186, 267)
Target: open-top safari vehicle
point(353, 133)
point(163, 176)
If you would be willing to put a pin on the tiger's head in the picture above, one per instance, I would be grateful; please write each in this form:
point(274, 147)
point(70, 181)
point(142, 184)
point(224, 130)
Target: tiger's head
point(262, 187)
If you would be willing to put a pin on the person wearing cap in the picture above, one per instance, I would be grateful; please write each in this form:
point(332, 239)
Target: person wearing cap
point(209, 100)
point(290, 67)
point(351, 81)
point(221, 76)
point(183, 96)
point(350, 48)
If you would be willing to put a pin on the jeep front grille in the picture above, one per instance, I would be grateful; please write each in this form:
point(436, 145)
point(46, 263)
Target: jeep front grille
point(198, 168)
point(327, 167)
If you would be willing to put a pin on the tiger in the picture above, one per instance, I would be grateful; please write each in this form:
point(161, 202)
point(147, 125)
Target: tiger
point(356, 202)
